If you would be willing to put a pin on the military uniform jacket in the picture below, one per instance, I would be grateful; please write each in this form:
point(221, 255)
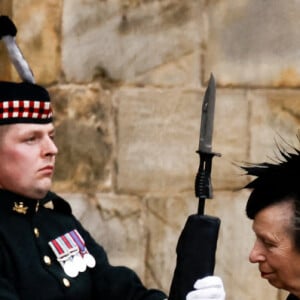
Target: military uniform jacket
point(29, 269)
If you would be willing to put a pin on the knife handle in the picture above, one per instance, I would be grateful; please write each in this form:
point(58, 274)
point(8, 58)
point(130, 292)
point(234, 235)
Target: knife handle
point(203, 186)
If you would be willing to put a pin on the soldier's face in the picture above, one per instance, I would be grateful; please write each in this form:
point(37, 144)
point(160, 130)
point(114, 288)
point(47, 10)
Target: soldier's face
point(27, 155)
point(274, 249)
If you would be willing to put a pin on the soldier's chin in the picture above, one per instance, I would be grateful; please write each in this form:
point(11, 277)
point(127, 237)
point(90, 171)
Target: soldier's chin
point(42, 190)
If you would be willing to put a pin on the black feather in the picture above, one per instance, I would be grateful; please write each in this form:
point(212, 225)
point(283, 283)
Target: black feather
point(7, 27)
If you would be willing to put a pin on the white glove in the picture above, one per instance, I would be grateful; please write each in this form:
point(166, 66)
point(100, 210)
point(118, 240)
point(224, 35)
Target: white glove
point(210, 287)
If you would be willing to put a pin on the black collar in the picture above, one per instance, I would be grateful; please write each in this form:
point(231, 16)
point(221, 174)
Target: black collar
point(17, 204)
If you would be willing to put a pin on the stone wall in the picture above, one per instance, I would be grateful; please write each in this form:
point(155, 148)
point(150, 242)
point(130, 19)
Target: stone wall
point(127, 78)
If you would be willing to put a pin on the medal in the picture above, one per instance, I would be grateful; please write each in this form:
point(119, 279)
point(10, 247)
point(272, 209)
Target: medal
point(87, 257)
point(63, 257)
point(89, 260)
point(69, 266)
point(70, 269)
point(72, 254)
point(79, 262)
point(73, 249)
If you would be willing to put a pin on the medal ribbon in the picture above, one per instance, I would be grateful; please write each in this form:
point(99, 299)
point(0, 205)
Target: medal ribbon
point(72, 247)
point(75, 235)
point(65, 248)
point(89, 259)
point(57, 249)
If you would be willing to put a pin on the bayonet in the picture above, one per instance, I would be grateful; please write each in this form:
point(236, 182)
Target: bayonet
point(203, 186)
point(197, 243)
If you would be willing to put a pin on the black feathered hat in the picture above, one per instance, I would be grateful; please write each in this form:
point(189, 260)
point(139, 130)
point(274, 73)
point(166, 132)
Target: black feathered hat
point(24, 102)
point(274, 182)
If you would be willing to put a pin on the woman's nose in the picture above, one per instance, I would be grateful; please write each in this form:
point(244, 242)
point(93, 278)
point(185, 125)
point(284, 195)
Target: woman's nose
point(256, 254)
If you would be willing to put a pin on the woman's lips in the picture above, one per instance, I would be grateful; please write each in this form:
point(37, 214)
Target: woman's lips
point(266, 274)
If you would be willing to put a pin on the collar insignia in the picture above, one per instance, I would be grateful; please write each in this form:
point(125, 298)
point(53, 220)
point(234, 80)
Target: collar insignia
point(20, 208)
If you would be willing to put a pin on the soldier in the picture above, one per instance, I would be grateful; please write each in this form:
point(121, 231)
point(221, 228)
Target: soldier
point(45, 253)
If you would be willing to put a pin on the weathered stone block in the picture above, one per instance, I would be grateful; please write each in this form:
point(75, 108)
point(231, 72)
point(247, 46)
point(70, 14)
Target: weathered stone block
point(39, 38)
point(184, 71)
point(157, 139)
point(121, 42)
point(275, 118)
point(84, 122)
point(254, 43)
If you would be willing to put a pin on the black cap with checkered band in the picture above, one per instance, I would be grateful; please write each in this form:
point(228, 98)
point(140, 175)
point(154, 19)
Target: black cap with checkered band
point(24, 103)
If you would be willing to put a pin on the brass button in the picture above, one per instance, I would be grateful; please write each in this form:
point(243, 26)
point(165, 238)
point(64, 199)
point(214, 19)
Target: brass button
point(66, 282)
point(47, 260)
point(36, 232)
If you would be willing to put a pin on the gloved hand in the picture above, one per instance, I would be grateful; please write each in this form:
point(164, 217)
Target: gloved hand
point(210, 287)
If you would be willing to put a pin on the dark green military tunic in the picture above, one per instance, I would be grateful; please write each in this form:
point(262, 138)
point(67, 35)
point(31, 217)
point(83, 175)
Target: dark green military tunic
point(29, 268)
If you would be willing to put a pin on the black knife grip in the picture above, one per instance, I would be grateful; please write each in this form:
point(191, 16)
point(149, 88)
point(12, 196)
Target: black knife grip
point(203, 186)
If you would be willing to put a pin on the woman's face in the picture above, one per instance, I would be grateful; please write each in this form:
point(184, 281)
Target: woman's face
point(274, 249)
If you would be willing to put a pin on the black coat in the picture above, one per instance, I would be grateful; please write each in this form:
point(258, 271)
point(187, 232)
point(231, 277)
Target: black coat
point(29, 268)
point(292, 297)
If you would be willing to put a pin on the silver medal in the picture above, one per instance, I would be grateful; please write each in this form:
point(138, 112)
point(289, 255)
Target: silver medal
point(79, 262)
point(70, 269)
point(89, 260)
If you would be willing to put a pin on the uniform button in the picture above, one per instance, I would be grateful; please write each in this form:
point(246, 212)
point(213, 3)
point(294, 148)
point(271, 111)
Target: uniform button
point(47, 260)
point(66, 282)
point(36, 232)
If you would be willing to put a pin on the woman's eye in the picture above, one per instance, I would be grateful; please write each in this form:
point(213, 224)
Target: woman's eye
point(268, 243)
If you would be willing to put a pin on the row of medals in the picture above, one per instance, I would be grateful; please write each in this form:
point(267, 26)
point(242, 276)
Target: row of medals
point(72, 254)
